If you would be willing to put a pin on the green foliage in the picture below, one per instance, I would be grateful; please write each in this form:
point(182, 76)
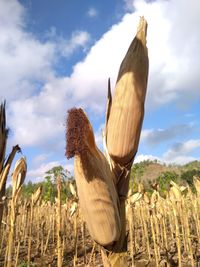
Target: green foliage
point(138, 169)
point(137, 172)
point(164, 180)
point(188, 176)
point(50, 184)
point(49, 191)
point(178, 174)
point(29, 188)
point(192, 165)
point(26, 191)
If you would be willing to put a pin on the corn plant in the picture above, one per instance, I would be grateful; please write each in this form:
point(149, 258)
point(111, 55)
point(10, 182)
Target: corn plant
point(103, 180)
point(18, 178)
point(4, 164)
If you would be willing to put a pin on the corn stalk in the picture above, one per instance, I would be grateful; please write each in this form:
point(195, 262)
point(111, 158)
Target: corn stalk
point(4, 164)
point(34, 199)
point(18, 178)
point(58, 213)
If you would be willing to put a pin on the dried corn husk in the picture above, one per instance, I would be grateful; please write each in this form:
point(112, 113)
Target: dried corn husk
point(127, 110)
point(18, 176)
point(73, 208)
point(135, 197)
point(196, 182)
point(96, 190)
point(72, 189)
point(36, 195)
point(146, 198)
point(175, 194)
point(154, 198)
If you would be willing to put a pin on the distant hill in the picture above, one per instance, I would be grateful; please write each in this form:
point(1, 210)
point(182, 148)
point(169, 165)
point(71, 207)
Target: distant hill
point(192, 165)
point(149, 172)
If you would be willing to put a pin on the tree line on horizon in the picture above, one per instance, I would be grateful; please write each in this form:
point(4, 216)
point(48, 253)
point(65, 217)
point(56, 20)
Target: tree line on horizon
point(162, 181)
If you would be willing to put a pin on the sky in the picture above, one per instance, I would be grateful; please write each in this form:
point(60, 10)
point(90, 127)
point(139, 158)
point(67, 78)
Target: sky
point(55, 55)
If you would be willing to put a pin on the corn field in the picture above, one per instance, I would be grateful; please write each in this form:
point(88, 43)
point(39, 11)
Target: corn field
point(103, 223)
point(160, 232)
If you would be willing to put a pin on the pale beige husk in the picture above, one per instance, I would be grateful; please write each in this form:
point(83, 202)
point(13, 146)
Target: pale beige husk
point(196, 181)
point(36, 196)
point(18, 175)
point(98, 198)
point(127, 110)
point(96, 190)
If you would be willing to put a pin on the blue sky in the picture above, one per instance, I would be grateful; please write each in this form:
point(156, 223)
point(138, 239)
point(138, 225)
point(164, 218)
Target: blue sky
point(55, 55)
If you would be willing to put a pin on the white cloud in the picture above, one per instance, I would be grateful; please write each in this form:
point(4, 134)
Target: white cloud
point(39, 159)
point(172, 40)
point(181, 160)
point(173, 51)
point(92, 12)
point(37, 174)
point(87, 85)
point(157, 136)
point(26, 62)
point(181, 149)
point(38, 98)
point(79, 39)
point(89, 78)
point(31, 127)
point(129, 5)
point(179, 153)
point(16, 18)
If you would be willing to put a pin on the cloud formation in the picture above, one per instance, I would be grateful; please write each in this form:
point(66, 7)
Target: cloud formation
point(181, 149)
point(33, 78)
point(37, 174)
point(38, 96)
point(25, 61)
point(156, 136)
point(179, 153)
point(92, 12)
point(78, 39)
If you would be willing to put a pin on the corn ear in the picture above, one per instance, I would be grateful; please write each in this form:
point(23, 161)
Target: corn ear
point(96, 190)
point(127, 110)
